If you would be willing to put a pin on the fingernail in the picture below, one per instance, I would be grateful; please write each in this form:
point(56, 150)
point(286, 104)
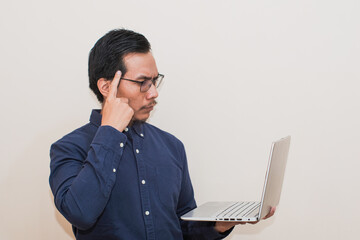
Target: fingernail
point(118, 72)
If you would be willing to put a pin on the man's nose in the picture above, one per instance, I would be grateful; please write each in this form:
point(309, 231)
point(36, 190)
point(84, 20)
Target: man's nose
point(152, 92)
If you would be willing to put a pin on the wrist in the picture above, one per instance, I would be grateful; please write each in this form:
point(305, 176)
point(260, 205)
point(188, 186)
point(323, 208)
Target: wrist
point(219, 229)
point(223, 227)
point(119, 128)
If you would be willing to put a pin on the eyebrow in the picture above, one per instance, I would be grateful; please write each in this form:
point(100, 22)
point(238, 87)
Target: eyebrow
point(145, 77)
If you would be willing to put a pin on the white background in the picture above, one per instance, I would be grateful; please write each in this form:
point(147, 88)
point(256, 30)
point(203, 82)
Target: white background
point(238, 75)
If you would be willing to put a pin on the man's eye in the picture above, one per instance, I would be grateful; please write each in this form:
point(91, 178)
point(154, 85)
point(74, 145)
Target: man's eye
point(147, 79)
point(146, 82)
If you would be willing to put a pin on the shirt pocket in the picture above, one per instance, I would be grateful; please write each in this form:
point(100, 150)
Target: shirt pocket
point(169, 185)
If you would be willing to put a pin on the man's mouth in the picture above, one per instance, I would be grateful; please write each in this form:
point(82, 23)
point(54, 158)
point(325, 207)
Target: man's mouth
point(149, 106)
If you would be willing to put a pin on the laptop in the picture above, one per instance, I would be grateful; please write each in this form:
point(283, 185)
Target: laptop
point(249, 211)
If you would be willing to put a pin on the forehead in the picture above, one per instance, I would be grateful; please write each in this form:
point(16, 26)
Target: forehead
point(140, 64)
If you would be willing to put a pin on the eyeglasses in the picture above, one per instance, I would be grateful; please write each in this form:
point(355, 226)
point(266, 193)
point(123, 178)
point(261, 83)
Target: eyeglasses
point(146, 84)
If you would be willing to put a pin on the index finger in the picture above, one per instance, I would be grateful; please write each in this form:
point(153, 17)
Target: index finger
point(114, 84)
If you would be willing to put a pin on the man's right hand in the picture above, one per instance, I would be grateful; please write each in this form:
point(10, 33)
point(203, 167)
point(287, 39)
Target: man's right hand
point(116, 112)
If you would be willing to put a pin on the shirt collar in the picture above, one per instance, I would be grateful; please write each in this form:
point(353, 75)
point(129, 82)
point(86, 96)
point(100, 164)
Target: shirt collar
point(139, 128)
point(95, 118)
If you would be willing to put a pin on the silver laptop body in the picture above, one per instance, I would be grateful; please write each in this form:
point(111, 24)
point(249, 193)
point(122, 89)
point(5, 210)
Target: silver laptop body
point(250, 211)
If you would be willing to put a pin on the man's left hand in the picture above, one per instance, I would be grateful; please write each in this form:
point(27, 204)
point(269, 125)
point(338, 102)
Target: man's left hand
point(224, 226)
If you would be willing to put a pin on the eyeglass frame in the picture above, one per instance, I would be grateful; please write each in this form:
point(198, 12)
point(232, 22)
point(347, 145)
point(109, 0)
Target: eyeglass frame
point(161, 76)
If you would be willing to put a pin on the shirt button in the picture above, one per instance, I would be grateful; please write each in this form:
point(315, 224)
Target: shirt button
point(143, 181)
point(121, 145)
point(137, 150)
point(147, 213)
point(126, 129)
point(141, 134)
point(114, 170)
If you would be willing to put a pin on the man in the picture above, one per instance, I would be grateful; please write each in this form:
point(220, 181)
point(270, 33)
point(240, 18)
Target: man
point(119, 177)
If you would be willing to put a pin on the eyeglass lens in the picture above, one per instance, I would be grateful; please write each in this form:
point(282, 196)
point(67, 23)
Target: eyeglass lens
point(146, 85)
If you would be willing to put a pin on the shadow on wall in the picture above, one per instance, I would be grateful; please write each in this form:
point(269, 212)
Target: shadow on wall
point(27, 201)
point(65, 225)
point(251, 229)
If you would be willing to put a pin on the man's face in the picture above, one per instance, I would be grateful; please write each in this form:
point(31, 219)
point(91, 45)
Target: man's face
point(139, 67)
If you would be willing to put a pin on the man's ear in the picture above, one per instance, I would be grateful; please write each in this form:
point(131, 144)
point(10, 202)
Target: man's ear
point(104, 86)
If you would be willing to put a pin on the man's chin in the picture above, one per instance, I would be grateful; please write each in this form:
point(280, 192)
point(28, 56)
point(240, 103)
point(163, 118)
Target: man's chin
point(143, 118)
point(140, 120)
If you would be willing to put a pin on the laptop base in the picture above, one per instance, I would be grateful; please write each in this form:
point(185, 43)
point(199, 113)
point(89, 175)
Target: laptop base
point(225, 212)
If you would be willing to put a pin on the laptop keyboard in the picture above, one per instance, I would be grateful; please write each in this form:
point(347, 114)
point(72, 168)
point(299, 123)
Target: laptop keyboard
point(237, 211)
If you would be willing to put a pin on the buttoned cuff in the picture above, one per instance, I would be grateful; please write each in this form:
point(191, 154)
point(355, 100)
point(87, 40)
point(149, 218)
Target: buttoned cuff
point(110, 137)
point(218, 235)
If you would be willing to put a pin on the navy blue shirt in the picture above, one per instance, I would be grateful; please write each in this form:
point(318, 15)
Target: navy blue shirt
point(124, 185)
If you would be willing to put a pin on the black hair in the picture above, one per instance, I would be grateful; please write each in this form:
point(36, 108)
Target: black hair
point(106, 57)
